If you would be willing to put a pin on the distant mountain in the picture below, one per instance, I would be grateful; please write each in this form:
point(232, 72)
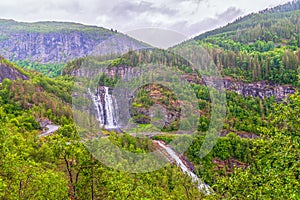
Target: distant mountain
point(278, 24)
point(58, 42)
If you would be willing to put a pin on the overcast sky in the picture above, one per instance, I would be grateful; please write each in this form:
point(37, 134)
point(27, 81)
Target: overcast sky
point(189, 17)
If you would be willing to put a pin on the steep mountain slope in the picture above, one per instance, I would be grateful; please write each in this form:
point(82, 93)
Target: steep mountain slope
point(10, 71)
point(279, 24)
point(57, 42)
point(260, 46)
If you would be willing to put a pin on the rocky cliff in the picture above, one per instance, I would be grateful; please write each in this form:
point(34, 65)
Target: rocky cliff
point(54, 42)
point(261, 89)
point(7, 70)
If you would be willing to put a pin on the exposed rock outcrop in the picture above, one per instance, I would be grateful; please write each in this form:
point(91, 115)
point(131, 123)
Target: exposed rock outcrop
point(261, 89)
point(9, 72)
point(229, 165)
point(165, 111)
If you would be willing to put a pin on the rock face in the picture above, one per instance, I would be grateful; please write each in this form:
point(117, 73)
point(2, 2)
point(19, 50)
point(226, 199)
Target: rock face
point(260, 89)
point(9, 72)
point(111, 72)
point(165, 111)
point(53, 42)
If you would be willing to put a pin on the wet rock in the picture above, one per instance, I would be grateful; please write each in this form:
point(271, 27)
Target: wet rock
point(262, 89)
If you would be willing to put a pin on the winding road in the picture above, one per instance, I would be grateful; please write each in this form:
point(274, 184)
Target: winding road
point(51, 129)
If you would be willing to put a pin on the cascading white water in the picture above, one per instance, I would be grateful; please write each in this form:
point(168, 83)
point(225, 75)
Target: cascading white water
point(110, 111)
point(202, 186)
point(105, 107)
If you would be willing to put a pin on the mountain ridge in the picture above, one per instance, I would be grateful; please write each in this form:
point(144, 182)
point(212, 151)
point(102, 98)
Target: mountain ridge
point(269, 15)
point(58, 42)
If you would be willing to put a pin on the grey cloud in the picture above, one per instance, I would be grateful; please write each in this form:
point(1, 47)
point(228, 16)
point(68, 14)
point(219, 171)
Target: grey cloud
point(126, 15)
point(74, 7)
point(127, 8)
point(67, 6)
point(230, 14)
point(209, 23)
point(161, 38)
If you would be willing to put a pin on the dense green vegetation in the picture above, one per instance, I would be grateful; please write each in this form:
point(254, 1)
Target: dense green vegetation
point(51, 70)
point(260, 46)
point(59, 166)
point(263, 168)
point(233, 164)
point(279, 24)
point(254, 62)
point(271, 167)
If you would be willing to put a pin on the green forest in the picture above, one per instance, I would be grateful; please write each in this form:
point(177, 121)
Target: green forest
point(257, 155)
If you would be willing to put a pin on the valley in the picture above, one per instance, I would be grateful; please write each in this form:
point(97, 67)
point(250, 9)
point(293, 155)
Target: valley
point(91, 113)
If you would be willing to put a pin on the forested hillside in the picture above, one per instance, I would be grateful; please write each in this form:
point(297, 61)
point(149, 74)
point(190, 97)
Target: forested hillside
point(11, 71)
point(260, 46)
point(274, 24)
point(59, 166)
point(261, 132)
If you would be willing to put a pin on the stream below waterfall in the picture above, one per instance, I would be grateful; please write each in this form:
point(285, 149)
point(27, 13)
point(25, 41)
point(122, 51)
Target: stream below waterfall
point(202, 186)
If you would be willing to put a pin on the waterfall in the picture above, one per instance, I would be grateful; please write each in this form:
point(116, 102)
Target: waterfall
point(105, 106)
point(201, 186)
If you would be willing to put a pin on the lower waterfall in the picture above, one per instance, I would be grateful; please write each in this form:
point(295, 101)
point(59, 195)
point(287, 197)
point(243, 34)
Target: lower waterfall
point(201, 186)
